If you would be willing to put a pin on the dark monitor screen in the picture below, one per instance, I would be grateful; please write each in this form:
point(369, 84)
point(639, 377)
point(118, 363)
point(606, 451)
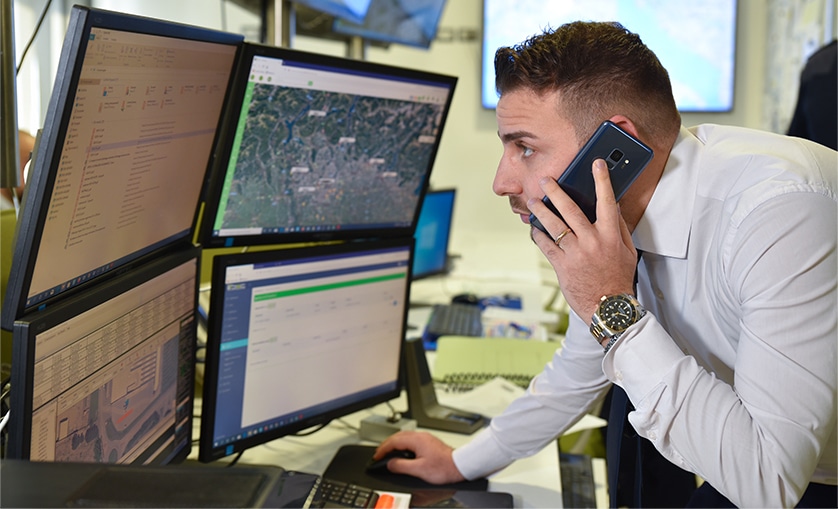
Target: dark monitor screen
point(695, 41)
point(123, 155)
point(410, 22)
point(108, 376)
point(297, 337)
point(433, 231)
point(322, 148)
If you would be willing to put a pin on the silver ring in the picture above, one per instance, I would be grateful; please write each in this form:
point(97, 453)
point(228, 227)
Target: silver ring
point(560, 236)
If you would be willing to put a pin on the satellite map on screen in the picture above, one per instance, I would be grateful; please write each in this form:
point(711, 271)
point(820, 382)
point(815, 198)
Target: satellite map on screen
point(309, 158)
point(695, 41)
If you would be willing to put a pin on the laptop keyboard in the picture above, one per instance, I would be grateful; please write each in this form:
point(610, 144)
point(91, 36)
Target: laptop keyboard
point(578, 487)
point(454, 320)
point(331, 493)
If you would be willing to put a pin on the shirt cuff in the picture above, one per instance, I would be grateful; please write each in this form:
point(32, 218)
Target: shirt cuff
point(640, 359)
point(481, 457)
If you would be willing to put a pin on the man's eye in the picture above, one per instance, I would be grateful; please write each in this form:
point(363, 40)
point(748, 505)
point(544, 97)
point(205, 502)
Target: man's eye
point(526, 151)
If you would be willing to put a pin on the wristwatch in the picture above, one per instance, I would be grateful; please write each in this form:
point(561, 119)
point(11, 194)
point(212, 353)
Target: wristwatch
point(615, 314)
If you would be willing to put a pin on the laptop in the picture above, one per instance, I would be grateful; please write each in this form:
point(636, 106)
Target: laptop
point(433, 233)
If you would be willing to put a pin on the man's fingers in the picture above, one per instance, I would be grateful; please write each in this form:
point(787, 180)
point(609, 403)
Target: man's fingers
point(572, 215)
point(606, 203)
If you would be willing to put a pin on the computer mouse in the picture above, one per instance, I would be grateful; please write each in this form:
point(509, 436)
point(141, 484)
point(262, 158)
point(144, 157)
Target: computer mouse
point(466, 298)
point(380, 465)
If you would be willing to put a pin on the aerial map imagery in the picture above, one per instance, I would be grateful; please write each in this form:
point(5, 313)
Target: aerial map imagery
point(310, 159)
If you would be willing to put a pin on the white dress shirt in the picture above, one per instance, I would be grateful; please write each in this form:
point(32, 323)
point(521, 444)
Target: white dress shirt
point(733, 370)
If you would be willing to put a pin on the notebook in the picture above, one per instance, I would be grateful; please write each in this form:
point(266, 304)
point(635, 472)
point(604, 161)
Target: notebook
point(463, 363)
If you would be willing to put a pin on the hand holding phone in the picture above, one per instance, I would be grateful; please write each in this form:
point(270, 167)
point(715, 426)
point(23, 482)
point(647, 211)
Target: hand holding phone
point(625, 156)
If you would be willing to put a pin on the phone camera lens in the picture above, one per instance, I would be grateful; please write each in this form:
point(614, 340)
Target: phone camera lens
point(616, 155)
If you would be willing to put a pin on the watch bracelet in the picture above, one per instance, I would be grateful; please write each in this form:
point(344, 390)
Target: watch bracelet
point(618, 336)
point(610, 343)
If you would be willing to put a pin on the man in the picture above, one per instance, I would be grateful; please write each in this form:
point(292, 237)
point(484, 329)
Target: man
point(816, 112)
point(732, 368)
point(26, 144)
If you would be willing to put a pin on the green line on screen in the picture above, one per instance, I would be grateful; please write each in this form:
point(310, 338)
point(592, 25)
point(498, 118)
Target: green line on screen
point(331, 286)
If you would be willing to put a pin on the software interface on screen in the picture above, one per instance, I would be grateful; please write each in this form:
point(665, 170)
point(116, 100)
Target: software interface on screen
point(327, 146)
point(133, 160)
point(299, 335)
point(114, 383)
point(695, 41)
point(433, 231)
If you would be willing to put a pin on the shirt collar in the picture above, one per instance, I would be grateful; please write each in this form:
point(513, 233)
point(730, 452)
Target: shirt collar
point(664, 228)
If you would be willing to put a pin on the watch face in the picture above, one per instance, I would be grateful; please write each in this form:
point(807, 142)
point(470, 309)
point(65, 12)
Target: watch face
point(618, 313)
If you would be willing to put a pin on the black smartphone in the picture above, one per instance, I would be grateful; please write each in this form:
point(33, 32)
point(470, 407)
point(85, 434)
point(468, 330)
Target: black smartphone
point(625, 156)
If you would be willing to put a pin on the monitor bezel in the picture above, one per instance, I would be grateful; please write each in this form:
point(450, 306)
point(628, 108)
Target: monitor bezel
point(206, 451)
point(39, 186)
point(446, 267)
point(227, 133)
point(29, 326)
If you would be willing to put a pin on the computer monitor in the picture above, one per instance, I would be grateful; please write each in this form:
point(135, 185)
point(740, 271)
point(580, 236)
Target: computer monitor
point(123, 154)
point(433, 231)
point(695, 41)
point(109, 375)
point(353, 10)
point(410, 22)
point(297, 337)
point(322, 148)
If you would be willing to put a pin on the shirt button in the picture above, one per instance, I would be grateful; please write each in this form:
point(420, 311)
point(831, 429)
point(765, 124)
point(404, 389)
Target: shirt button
point(659, 294)
point(618, 375)
point(653, 435)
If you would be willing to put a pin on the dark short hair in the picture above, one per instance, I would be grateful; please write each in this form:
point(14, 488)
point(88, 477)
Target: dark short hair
point(600, 69)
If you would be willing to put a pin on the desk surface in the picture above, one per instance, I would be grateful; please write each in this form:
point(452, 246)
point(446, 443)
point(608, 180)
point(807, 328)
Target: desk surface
point(534, 481)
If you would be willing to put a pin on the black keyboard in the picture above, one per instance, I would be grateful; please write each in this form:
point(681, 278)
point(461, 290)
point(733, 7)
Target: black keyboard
point(578, 487)
point(454, 320)
point(331, 493)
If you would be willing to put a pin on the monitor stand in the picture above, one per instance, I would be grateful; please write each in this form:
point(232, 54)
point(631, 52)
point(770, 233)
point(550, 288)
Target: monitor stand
point(421, 396)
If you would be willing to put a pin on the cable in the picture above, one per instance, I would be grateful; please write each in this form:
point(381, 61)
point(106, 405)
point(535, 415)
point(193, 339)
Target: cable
point(35, 33)
point(347, 425)
point(310, 432)
point(394, 415)
point(5, 406)
point(235, 460)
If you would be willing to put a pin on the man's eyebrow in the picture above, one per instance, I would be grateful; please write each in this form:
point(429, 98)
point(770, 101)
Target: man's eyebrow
point(514, 135)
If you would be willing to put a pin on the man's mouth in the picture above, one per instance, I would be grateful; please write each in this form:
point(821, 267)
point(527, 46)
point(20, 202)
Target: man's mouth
point(523, 213)
point(520, 209)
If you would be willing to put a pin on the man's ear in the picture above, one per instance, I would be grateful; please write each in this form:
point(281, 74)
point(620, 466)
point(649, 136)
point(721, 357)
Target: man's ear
point(625, 123)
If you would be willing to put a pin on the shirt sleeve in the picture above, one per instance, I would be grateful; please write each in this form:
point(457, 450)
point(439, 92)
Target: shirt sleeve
point(760, 440)
point(570, 385)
